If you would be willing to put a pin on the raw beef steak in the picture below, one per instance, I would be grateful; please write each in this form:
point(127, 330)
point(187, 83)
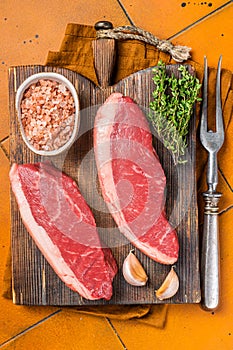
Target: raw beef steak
point(63, 227)
point(132, 179)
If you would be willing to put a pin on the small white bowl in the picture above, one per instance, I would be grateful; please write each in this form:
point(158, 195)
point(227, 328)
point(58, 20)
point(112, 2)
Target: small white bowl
point(19, 95)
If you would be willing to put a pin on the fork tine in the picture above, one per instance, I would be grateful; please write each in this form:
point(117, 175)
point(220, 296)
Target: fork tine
point(205, 97)
point(219, 120)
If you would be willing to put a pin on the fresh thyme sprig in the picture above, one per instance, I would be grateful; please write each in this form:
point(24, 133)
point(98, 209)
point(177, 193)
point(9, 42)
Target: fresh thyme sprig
point(172, 108)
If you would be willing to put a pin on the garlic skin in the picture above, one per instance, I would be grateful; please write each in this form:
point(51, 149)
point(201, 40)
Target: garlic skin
point(169, 287)
point(133, 271)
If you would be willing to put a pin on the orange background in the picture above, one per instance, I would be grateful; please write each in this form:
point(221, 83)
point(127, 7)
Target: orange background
point(28, 30)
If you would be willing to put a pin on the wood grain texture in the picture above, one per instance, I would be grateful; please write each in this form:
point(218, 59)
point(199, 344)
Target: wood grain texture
point(35, 283)
point(104, 59)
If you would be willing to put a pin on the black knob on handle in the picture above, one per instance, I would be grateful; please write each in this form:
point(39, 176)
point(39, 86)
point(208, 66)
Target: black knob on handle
point(103, 25)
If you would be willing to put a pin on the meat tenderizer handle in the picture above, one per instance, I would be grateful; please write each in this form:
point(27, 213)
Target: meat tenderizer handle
point(104, 55)
point(210, 253)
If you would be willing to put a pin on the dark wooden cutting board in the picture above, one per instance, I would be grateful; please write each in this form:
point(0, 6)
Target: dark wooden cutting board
point(34, 281)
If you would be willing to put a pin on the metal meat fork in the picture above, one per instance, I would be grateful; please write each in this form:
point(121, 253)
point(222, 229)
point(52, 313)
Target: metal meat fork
point(212, 141)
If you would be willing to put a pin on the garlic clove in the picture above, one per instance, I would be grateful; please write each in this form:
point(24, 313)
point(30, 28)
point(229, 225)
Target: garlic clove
point(133, 271)
point(169, 287)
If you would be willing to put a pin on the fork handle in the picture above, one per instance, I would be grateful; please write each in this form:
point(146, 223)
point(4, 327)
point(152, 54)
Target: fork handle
point(212, 171)
point(210, 253)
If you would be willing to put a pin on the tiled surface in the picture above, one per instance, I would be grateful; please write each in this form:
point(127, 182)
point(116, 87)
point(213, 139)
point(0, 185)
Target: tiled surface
point(166, 18)
point(63, 331)
point(28, 31)
point(211, 37)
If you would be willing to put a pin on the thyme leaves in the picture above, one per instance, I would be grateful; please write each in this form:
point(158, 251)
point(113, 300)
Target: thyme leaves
point(172, 108)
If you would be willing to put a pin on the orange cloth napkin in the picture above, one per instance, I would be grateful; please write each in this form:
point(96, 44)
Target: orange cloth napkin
point(132, 55)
